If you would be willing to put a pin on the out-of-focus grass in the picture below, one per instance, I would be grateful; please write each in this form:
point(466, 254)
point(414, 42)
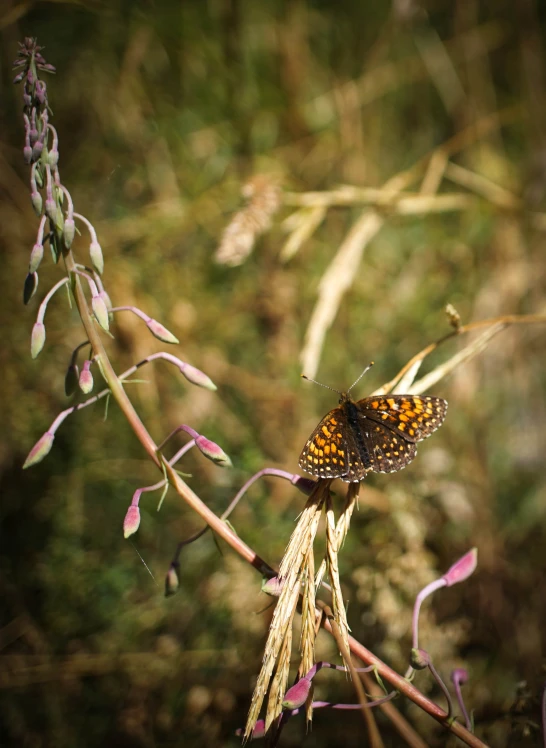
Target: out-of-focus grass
point(163, 113)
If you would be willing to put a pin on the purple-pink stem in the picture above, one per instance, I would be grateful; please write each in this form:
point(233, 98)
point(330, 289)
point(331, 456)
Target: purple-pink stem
point(292, 477)
point(66, 193)
point(65, 413)
point(43, 306)
point(89, 225)
point(425, 592)
point(90, 280)
point(445, 689)
point(458, 677)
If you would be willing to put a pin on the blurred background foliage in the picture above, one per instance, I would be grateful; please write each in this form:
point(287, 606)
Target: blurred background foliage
point(165, 110)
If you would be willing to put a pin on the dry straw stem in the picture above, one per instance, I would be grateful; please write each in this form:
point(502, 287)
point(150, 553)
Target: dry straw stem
point(291, 572)
point(342, 527)
point(332, 548)
point(339, 275)
point(309, 628)
point(373, 732)
point(404, 379)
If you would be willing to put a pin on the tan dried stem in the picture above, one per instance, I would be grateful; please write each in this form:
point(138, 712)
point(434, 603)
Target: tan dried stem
point(332, 548)
point(308, 627)
point(279, 682)
point(493, 326)
point(342, 527)
point(291, 572)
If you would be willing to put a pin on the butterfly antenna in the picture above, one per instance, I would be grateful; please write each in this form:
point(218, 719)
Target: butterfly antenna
point(320, 384)
point(360, 377)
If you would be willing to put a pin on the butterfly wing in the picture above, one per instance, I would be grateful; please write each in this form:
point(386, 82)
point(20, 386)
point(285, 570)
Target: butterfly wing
point(412, 417)
point(325, 452)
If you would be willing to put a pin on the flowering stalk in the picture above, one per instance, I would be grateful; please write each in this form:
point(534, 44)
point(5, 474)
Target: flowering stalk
point(156, 328)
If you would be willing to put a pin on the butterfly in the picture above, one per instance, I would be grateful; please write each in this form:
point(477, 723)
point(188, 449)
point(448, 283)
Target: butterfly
point(377, 434)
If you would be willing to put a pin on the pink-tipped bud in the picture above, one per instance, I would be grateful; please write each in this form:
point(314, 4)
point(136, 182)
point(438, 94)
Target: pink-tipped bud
point(40, 91)
point(419, 659)
point(71, 380)
point(196, 376)
point(51, 210)
point(462, 569)
point(160, 332)
point(37, 202)
point(171, 581)
point(459, 676)
point(100, 311)
point(273, 586)
point(53, 157)
point(97, 260)
point(35, 257)
point(27, 154)
point(213, 451)
point(37, 339)
point(297, 695)
point(85, 381)
point(69, 230)
point(257, 732)
point(40, 450)
point(29, 289)
point(19, 77)
point(131, 521)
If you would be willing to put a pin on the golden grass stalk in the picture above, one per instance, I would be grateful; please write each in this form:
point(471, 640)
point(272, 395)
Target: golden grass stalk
point(332, 548)
point(292, 572)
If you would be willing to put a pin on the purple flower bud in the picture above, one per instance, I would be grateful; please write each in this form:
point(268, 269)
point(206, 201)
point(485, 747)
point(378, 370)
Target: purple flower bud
point(27, 99)
point(85, 381)
point(40, 450)
point(33, 134)
point(212, 451)
point(459, 676)
point(37, 149)
point(131, 521)
point(97, 260)
point(171, 581)
point(48, 68)
point(31, 284)
point(297, 695)
point(462, 569)
point(419, 659)
point(27, 154)
point(71, 380)
point(100, 311)
point(51, 209)
point(37, 202)
point(273, 586)
point(40, 91)
point(69, 231)
point(19, 77)
point(196, 376)
point(30, 78)
point(160, 332)
point(37, 339)
point(35, 257)
point(305, 485)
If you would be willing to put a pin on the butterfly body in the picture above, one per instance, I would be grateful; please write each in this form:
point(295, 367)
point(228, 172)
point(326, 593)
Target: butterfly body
point(376, 434)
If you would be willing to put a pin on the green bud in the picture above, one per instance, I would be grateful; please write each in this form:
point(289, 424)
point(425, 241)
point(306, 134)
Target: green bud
point(37, 339)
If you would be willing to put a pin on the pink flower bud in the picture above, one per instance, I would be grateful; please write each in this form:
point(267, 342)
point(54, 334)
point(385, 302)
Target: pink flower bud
point(131, 521)
point(100, 311)
point(171, 581)
point(462, 569)
point(51, 209)
point(35, 257)
point(69, 231)
point(297, 695)
point(29, 289)
point(37, 149)
point(19, 77)
point(85, 381)
point(97, 260)
point(196, 376)
point(40, 450)
point(37, 339)
point(37, 202)
point(53, 156)
point(160, 332)
point(27, 154)
point(419, 659)
point(257, 732)
point(212, 451)
point(273, 586)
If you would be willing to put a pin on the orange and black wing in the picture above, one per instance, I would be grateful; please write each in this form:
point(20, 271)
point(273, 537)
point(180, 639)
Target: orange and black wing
point(325, 452)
